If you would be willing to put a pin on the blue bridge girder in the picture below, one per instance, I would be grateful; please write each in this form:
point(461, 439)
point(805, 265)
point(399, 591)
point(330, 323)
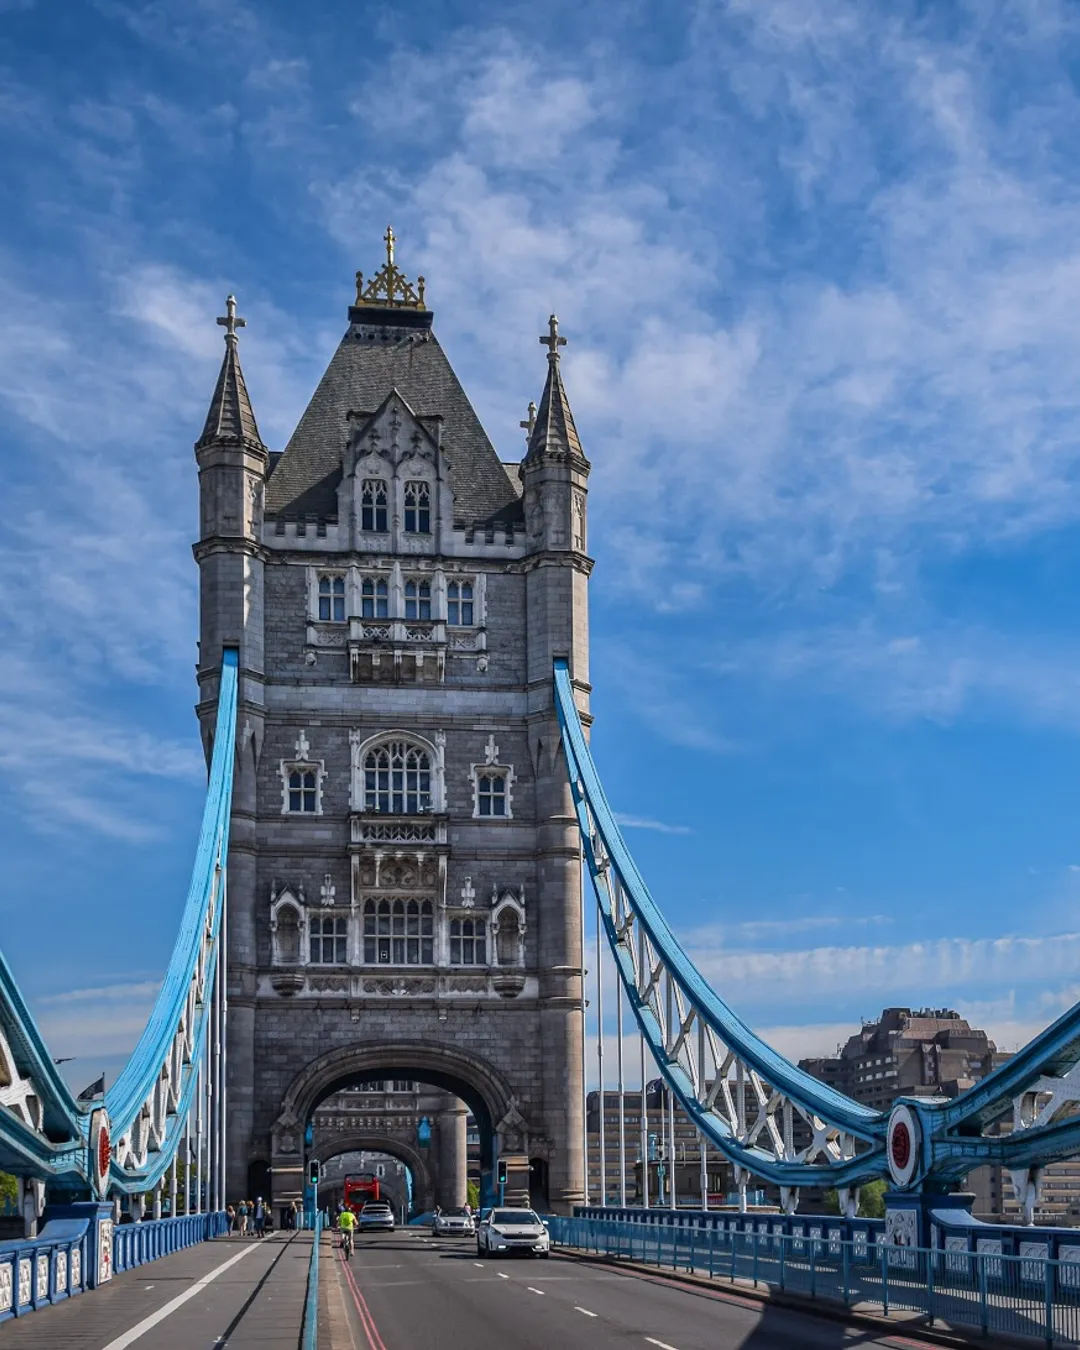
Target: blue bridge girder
point(44, 1131)
point(757, 1107)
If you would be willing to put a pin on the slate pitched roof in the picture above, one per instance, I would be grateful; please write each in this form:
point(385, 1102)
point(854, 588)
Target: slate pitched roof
point(385, 349)
point(554, 428)
point(231, 419)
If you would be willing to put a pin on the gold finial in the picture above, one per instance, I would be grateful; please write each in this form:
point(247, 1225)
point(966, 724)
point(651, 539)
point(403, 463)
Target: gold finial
point(230, 321)
point(389, 288)
point(553, 341)
point(530, 420)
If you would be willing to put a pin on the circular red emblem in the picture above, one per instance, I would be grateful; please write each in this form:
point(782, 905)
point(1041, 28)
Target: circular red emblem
point(900, 1143)
point(104, 1152)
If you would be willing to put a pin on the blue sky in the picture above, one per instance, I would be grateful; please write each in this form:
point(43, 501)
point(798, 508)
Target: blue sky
point(818, 265)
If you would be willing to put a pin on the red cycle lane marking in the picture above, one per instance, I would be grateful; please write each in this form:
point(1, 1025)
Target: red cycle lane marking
point(371, 1331)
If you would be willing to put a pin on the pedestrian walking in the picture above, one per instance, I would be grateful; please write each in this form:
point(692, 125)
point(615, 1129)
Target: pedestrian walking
point(294, 1214)
point(230, 1215)
point(242, 1217)
point(260, 1218)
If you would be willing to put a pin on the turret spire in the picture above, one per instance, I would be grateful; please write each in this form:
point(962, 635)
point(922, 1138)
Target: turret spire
point(553, 430)
point(231, 420)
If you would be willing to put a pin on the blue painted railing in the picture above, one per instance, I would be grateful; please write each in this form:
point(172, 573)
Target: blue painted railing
point(136, 1243)
point(309, 1338)
point(43, 1270)
point(1029, 1294)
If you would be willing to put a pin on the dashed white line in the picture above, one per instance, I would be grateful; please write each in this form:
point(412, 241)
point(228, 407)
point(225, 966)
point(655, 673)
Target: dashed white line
point(585, 1311)
point(661, 1345)
point(502, 1276)
point(532, 1290)
point(479, 1263)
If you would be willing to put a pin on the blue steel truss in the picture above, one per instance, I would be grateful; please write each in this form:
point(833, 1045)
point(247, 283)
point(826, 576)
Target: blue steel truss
point(44, 1131)
point(770, 1118)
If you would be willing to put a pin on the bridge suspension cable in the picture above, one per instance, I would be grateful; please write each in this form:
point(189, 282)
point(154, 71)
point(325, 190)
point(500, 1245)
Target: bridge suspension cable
point(176, 1069)
point(768, 1117)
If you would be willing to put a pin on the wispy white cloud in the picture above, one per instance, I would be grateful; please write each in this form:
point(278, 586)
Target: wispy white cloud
point(644, 823)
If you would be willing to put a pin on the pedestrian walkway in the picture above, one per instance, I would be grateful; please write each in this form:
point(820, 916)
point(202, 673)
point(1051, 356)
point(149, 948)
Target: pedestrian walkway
point(235, 1292)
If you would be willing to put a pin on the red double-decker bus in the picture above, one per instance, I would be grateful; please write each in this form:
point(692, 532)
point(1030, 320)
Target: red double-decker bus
point(360, 1187)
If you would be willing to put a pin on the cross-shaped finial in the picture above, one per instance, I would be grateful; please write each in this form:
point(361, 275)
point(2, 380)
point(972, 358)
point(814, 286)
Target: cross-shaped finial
point(388, 239)
point(553, 341)
point(530, 420)
point(229, 321)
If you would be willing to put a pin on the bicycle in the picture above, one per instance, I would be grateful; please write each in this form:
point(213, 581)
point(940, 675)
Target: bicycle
point(346, 1243)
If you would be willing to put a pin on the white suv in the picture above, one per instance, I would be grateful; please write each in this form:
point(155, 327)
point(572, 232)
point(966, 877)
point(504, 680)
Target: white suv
point(512, 1230)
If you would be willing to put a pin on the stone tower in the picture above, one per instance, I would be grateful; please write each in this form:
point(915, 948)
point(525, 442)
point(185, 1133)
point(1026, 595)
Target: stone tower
point(404, 879)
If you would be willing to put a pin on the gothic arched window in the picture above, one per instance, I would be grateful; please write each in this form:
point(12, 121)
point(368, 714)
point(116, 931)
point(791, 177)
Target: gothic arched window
point(459, 604)
point(373, 505)
point(468, 942)
point(332, 599)
point(303, 790)
point(399, 932)
point(418, 600)
point(417, 508)
point(329, 941)
point(397, 779)
point(374, 601)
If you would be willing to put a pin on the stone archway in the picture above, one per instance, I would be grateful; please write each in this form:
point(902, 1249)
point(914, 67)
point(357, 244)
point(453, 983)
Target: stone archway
point(484, 1090)
point(423, 1184)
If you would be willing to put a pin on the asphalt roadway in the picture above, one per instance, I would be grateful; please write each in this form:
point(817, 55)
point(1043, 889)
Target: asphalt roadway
point(409, 1291)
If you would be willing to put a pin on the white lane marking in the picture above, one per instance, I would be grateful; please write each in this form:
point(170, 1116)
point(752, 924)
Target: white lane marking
point(662, 1345)
point(148, 1323)
point(501, 1277)
point(584, 1310)
point(479, 1263)
point(532, 1290)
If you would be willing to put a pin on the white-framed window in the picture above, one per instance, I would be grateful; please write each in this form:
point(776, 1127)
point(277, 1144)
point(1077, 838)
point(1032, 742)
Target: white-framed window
point(460, 605)
point(418, 600)
point(373, 515)
point(491, 793)
point(303, 790)
point(417, 507)
point(331, 599)
point(468, 942)
point(397, 779)
point(374, 598)
point(399, 932)
point(328, 941)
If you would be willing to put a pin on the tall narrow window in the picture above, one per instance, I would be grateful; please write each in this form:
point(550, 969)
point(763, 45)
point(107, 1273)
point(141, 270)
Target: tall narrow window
point(397, 779)
point(374, 602)
point(418, 600)
point(417, 508)
point(399, 932)
point(332, 599)
point(329, 941)
point(303, 786)
point(468, 942)
point(459, 604)
point(491, 794)
point(373, 505)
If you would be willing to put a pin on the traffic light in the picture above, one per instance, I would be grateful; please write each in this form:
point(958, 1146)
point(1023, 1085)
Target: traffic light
point(500, 1172)
point(313, 1172)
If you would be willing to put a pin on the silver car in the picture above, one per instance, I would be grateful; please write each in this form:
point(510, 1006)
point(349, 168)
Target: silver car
point(512, 1230)
point(453, 1223)
point(376, 1215)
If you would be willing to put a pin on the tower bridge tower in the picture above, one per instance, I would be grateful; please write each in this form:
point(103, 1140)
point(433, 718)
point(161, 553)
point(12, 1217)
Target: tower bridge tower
point(404, 882)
